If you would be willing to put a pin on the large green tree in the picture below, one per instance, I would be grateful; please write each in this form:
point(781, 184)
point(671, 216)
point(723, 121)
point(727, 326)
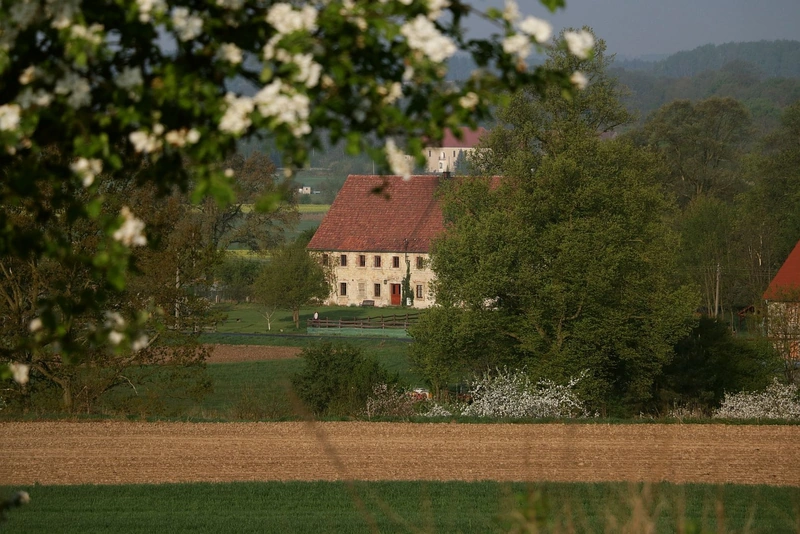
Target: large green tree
point(575, 267)
point(702, 144)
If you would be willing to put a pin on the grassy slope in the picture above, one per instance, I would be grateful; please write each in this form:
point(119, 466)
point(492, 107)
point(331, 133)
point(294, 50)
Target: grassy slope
point(401, 507)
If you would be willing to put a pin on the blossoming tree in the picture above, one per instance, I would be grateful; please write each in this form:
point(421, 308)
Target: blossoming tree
point(89, 85)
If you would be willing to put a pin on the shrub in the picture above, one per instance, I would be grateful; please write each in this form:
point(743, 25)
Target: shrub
point(709, 361)
point(337, 379)
point(390, 401)
point(512, 394)
point(777, 401)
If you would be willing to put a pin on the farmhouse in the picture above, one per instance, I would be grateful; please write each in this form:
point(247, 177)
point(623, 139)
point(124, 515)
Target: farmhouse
point(445, 158)
point(783, 306)
point(374, 241)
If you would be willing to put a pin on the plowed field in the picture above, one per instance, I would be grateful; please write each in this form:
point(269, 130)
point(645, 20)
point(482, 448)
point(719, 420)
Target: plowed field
point(120, 452)
point(250, 353)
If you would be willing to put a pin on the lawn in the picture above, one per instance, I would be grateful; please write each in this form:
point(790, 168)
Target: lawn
point(405, 506)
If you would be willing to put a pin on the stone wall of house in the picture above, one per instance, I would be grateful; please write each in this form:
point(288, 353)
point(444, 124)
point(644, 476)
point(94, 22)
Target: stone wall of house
point(361, 281)
point(444, 159)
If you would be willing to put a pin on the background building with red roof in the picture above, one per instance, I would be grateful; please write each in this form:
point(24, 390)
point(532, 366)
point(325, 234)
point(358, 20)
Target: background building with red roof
point(783, 311)
point(372, 240)
point(443, 158)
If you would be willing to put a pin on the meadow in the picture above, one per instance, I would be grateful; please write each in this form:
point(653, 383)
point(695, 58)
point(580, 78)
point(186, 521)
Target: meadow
point(406, 507)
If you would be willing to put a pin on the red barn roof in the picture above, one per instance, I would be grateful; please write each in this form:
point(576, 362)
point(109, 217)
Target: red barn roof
point(362, 221)
point(786, 284)
point(470, 138)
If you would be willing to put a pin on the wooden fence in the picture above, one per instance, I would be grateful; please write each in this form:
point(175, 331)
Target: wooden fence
point(383, 322)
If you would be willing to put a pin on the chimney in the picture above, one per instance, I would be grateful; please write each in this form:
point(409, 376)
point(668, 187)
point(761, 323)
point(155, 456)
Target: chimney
point(446, 175)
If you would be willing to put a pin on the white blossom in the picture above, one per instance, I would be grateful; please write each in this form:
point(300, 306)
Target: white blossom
point(187, 25)
point(285, 19)
point(423, 36)
point(35, 325)
point(129, 78)
point(140, 343)
point(539, 29)
point(114, 320)
point(579, 43)
point(145, 142)
point(92, 34)
point(519, 45)
point(76, 87)
point(228, 173)
point(20, 372)
point(62, 12)
point(230, 52)
point(237, 115)
point(398, 161)
point(22, 12)
point(231, 4)
point(435, 8)
point(408, 73)
point(27, 75)
point(115, 337)
point(579, 80)
point(148, 7)
point(9, 117)
point(131, 231)
point(28, 97)
point(468, 101)
point(511, 11)
point(310, 70)
point(182, 137)
point(285, 105)
point(394, 92)
point(87, 169)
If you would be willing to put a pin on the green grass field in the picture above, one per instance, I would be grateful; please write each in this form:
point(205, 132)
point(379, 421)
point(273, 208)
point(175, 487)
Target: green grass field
point(405, 507)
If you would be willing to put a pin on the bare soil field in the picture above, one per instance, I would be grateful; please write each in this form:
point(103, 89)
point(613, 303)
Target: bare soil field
point(123, 452)
point(251, 353)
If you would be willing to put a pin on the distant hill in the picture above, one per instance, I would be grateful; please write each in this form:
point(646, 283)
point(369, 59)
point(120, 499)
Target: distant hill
point(774, 59)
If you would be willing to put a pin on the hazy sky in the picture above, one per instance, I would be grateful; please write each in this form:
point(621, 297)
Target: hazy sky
point(639, 27)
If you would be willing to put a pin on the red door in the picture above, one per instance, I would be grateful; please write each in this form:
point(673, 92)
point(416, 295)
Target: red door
point(396, 295)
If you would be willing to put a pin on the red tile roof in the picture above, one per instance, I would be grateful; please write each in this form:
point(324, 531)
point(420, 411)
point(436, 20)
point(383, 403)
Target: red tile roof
point(470, 138)
point(360, 220)
point(786, 284)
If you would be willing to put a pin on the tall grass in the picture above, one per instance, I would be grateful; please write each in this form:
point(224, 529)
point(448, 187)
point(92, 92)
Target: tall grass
point(406, 507)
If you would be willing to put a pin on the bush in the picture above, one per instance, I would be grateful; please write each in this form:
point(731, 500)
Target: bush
point(709, 361)
point(512, 394)
point(777, 401)
point(338, 378)
point(390, 401)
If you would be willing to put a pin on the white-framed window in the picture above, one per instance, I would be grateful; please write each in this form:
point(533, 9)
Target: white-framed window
point(343, 289)
point(396, 262)
point(343, 260)
point(377, 290)
point(362, 260)
point(419, 291)
point(376, 261)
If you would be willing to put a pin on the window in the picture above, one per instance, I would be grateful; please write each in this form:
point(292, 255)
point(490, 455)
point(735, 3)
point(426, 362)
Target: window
point(343, 262)
point(362, 290)
point(454, 153)
point(429, 152)
point(377, 261)
point(362, 260)
point(420, 262)
point(441, 165)
point(396, 262)
point(325, 260)
point(377, 290)
point(343, 289)
point(419, 291)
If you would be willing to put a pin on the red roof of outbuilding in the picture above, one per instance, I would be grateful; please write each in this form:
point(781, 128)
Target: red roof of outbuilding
point(362, 221)
point(786, 284)
point(470, 138)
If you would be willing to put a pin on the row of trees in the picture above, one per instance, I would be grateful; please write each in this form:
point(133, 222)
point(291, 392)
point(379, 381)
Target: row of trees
point(595, 254)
